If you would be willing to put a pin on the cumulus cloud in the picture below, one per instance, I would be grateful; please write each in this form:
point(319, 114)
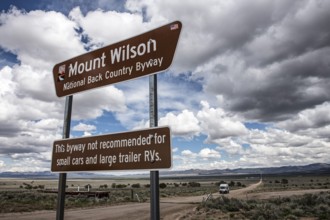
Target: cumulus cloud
point(84, 127)
point(31, 115)
point(189, 154)
point(217, 124)
point(92, 104)
point(183, 124)
point(231, 146)
point(207, 153)
point(269, 64)
point(308, 119)
point(31, 136)
point(201, 160)
point(278, 147)
point(54, 38)
point(109, 25)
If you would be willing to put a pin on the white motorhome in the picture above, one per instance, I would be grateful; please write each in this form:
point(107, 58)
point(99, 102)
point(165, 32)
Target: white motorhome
point(223, 188)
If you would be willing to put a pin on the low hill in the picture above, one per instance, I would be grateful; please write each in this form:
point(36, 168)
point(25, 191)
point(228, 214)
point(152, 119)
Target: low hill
point(317, 168)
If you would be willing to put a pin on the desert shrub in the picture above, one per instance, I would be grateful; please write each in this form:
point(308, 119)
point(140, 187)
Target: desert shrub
point(113, 185)
point(265, 211)
point(26, 201)
point(136, 185)
point(120, 186)
point(105, 186)
point(162, 185)
point(307, 200)
point(231, 184)
point(291, 217)
point(218, 183)
point(225, 204)
point(147, 185)
point(288, 208)
point(323, 211)
point(27, 186)
point(194, 184)
point(88, 186)
point(298, 212)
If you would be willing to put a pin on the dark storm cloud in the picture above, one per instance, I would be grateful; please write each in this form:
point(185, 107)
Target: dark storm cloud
point(303, 29)
point(280, 71)
point(296, 85)
point(16, 150)
point(9, 129)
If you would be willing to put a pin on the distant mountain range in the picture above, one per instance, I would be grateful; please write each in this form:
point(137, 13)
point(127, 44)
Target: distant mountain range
point(317, 168)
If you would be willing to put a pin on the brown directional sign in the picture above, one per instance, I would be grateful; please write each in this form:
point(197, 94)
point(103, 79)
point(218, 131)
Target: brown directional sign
point(145, 149)
point(142, 55)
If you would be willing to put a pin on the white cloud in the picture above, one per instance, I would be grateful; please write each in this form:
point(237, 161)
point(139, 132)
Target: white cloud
point(86, 134)
point(171, 98)
point(52, 40)
point(183, 124)
point(252, 72)
point(109, 25)
point(188, 153)
point(310, 118)
point(30, 162)
point(91, 104)
point(6, 82)
point(84, 127)
point(217, 124)
point(231, 145)
point(275, 147)
point(207, 153)
point(201, 160)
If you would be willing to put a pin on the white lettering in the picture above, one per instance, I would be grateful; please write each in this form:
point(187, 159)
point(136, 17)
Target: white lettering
point(73, 84)
point(150, 63)
point(75, 147)
point(151, 155)
point(93, 79)
point(110, 159)
point(79, 68)
point(127, 52)
point(119, 72)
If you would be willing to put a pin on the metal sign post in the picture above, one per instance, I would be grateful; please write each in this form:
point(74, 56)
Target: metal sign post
point(62, 177)
point(154, 175)
point(139, 56)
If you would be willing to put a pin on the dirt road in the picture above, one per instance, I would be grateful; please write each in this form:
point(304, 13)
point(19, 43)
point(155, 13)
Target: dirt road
point(170, 208)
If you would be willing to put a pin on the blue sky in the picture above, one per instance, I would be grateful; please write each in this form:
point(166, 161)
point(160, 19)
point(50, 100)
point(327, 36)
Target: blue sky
point(248, 86)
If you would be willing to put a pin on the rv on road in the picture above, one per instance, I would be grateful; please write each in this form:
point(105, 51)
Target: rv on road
point(223, 188)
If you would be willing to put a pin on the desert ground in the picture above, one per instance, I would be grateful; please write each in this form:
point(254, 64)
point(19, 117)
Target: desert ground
point(170, 207)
